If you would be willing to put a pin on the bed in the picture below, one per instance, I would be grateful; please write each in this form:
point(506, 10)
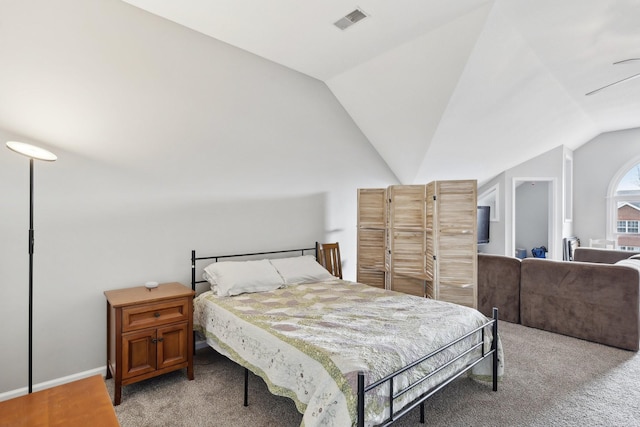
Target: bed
point(336, 347)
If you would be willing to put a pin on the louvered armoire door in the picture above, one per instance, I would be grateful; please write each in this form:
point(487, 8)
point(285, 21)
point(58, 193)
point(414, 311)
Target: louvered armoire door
point(430, 250)
point(455, 241)
point(407, 238)
point(372, 224)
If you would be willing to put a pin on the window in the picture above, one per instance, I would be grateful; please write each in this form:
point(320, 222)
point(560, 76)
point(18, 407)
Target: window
point(628, 227)
point(625, 209)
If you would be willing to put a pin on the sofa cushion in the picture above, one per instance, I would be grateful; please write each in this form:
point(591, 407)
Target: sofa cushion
point(499, 286)
point(591, 301)
point(630, 262)
point(604, 256)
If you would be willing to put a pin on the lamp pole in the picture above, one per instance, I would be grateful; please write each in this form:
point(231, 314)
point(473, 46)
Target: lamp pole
point(31, 242)
point(37, 153)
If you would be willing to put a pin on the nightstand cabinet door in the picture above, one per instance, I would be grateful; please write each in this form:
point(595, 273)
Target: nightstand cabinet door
point(139, 353)
point(172, 345)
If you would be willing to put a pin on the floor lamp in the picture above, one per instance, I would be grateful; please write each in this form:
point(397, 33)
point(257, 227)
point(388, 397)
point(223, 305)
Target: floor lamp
point(32, 152)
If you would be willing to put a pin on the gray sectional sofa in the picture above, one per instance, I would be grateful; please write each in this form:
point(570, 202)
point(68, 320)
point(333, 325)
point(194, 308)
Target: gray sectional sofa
point(499, 286)
point(591, 298)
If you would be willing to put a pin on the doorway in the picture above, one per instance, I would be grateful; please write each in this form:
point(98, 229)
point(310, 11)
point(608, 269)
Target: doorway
point(533, 219)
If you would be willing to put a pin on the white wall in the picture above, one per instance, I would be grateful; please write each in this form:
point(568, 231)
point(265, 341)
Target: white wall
point(497, 227)
point(546, 167)
point(595, 165)
point(167, 141)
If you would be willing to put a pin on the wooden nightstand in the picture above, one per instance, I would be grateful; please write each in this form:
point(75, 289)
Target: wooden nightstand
point(149, 333)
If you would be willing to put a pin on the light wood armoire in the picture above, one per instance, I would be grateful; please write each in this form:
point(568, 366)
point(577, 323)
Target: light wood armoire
point(420, 239)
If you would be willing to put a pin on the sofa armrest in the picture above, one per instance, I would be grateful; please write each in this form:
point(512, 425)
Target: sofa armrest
point(595, 302)
point(499, 286)
point(604, 256)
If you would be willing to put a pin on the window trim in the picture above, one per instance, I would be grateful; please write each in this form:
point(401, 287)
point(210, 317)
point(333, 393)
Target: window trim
point(613, 199)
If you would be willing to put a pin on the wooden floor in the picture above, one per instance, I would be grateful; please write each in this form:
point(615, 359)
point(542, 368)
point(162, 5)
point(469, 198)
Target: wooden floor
point(83, 403)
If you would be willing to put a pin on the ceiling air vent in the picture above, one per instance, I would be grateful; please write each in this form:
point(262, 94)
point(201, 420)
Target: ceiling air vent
point(350, 19)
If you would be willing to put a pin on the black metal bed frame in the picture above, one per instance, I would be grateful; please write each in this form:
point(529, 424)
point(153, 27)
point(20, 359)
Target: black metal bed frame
point(194, 282)
point(395, 415)
point(362, 389)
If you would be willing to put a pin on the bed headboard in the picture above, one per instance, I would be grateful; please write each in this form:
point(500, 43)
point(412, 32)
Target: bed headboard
point(216, 258)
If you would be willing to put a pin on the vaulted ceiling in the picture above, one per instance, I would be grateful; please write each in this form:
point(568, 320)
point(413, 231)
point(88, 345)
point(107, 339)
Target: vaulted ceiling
point(448, 89)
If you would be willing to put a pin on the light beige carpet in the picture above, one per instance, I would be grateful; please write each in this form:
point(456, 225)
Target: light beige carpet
point(550, 380)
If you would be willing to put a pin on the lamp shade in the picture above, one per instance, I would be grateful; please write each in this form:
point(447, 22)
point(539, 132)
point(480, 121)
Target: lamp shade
point(31, 151)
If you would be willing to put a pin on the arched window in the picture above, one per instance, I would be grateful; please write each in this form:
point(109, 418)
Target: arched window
point(624, 209)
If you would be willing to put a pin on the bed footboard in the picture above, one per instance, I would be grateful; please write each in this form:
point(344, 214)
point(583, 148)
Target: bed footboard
point(394, 415)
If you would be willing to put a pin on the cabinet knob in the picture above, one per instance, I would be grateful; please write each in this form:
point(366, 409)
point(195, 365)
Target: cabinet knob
point(156, 314)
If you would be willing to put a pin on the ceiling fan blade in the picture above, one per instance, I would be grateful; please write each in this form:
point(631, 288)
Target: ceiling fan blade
point(626, 60)
point(613, 84)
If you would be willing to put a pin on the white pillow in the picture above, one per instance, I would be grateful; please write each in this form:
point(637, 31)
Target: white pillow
point(301, 269)
point(238, 277)
point(206, 276)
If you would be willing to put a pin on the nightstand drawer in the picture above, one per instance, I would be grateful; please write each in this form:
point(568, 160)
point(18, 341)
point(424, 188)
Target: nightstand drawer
point(152, 315)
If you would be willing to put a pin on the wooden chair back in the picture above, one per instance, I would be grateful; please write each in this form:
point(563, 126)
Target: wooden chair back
point(328, 255)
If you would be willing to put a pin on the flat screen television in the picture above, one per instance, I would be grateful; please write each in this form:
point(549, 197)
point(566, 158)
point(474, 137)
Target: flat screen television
point(483, 224)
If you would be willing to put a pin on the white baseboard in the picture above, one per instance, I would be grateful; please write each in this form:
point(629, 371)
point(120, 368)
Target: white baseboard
point(63, 380)
point(52, 383)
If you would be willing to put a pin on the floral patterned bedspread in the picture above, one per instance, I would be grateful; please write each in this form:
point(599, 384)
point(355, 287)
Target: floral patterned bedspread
point(309, 341)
